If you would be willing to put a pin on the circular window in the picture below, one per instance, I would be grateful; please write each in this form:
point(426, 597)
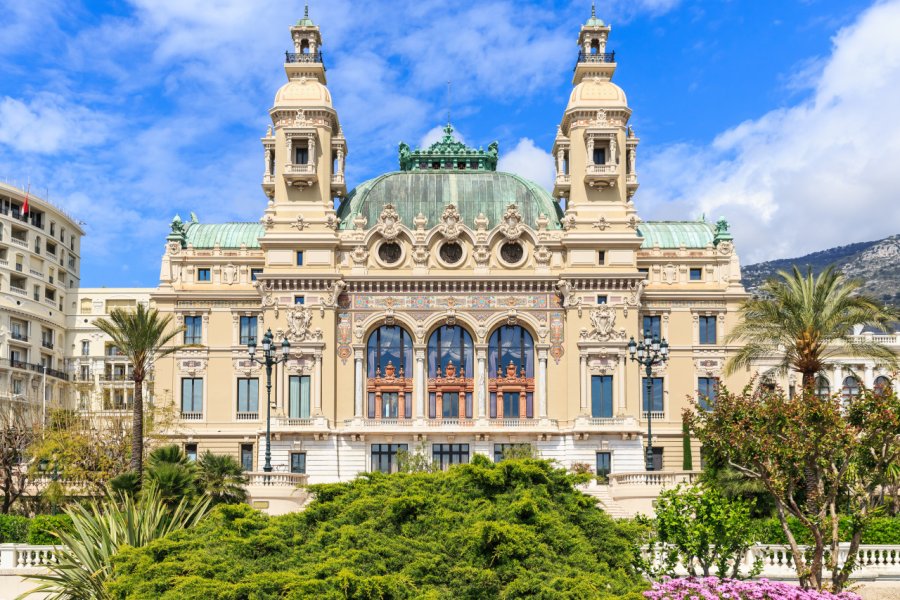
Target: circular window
point(451, 253)
point(390, 252)
point(512, 253)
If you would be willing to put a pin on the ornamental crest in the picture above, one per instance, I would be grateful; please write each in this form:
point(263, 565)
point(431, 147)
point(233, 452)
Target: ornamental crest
point(567, 293)
point(299, 319)
point(603, 322)
point(389, 222)
point(449, 226)
point(511, 225)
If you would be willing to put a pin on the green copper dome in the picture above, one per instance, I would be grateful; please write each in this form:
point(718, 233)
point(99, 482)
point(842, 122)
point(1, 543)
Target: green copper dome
point(429, 192)
point(675, 234)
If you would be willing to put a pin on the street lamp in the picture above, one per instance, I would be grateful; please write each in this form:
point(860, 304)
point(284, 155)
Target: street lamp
point(269, 360)
point(648, 352)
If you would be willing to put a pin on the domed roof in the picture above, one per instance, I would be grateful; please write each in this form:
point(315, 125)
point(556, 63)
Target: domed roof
point(429, 193)
point(302, 92)
point(597, 93)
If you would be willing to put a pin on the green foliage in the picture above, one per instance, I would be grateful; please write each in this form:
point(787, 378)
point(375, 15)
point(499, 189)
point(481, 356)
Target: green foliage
point(417, 461)
point(220, 478)
point(687, 462)
point(13, 529)
point(879, 530)
point(510, 530)
point(697, 526)
point(42, 528)
point(99, 530)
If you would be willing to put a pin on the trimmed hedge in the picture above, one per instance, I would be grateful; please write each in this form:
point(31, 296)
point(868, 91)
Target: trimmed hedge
point(879, 530)
point(22, 530)
point(13, 529)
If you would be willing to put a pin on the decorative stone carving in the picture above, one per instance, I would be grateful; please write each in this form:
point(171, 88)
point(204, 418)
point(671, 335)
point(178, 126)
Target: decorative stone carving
point(449, 227)
point(337, 288)
point(601, 119)
point(332, 222)
point(633, 222)
point(602, 224)
point(542, 256)
point(174, 248)
point(300, 223)
point(420, 221)
point(229, 274)
point(542, 222)
point(359, 222)
point(481, 222)
point(359, 255)
point(450, 317)
point(268, 221)
point(512, 317)
point(299, 320)
point(568, 221)
point(389, 318)
point(633, 299)
point(603, 321)
point(420, 255)
point(567, 293)
point(268, 299)
point(511, 226)
point(670, 274)
point(389, 223)
point(481, 255)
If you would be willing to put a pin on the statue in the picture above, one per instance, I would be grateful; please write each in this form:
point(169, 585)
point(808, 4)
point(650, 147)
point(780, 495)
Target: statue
point(567, 293)
point(178, 227)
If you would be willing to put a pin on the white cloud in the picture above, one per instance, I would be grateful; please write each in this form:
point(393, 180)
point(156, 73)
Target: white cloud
point(530, 162)
point(48, 124)
point(817, 174)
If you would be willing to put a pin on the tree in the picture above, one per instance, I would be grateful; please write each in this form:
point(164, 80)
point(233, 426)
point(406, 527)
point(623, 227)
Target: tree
point(806, 320)
point(697, 526)
point(221, 479)
point(142, 336)
point(809, 442)
point(513, 529)
point(99, 530)
point(18, 429)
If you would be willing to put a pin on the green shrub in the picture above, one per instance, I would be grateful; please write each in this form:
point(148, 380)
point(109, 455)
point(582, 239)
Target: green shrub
point(13, 529)
point(879, 530)
point(43, 526)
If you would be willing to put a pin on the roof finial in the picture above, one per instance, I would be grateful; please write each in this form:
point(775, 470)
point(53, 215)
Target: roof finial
point(306, 11)
point(448, 103)
point(593, 10)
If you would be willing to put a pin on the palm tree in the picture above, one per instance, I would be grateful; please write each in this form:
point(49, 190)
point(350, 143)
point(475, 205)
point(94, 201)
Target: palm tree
point(808, 320)
point(221, 479)
point(142, 336)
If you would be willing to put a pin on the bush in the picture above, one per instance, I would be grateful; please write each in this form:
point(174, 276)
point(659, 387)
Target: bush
point(514, 529)
point(13, 529)
point(712, 587)
point(879, 530)
point(42, 528)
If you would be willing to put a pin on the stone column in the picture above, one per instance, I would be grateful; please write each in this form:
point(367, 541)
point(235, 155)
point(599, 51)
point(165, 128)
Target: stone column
point(869, 377)
point(582, 370)
point(317, 387)
point(838, 383)
point(268, 160)
point(312, 150)
point(360, 383)
point(590, 151)
point(559, 161)
point(620, 384)
point(481, 383)
point(419, 379)
point(542, 384)
point(340, 161)
point(290, 151)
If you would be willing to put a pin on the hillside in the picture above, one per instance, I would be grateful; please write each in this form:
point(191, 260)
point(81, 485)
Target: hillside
point(876, 263)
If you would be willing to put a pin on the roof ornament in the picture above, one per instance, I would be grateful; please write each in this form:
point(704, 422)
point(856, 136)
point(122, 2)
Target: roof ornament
point(450, 220)
point(511, 223)
point(389, 223)
point(449, 153)
point(722, 233)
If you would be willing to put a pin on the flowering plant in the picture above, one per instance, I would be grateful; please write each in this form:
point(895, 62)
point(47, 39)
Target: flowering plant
point(713, 588)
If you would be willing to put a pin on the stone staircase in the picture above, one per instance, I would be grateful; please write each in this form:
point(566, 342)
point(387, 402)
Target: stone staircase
point(605, 501)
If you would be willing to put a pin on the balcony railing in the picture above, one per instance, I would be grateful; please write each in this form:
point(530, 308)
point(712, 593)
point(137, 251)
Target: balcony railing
point(247, 416)
point(292, 422)
point(598, 57)
point(18, 364)
point(191, 416)
point(115, 377)
point(307, 169)
point(18, 290)
point(275, 479)
point(23, 243)
point(596, 170)
point(658, 415)
point(18, 335)
point(303, 57)
point(654, 478)
point(37, 273)
point(48, 344)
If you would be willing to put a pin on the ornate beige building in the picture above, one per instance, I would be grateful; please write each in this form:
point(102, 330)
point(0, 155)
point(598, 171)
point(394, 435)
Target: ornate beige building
point(445, 307)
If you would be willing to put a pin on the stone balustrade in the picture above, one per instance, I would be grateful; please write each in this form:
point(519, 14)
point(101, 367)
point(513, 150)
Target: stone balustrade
point(652, 478)
point(276, 479)
point(26, 556)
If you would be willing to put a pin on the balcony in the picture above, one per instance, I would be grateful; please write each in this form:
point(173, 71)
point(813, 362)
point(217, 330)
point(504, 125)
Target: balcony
point(19, 241)
point(601, 175)
point(563, 183)
point(191, 416)
point(599, 57)
point(268, 185)
point(298, 175)
point(39, 369)
point(50, 302)
point(246, 416)
point(18, 290)
point(113, 377)
point(658, 415)
point(338, 184)
point(606, 425)
point(48, 344)
point(18, 336)
point(303, 57)
point(36, 273)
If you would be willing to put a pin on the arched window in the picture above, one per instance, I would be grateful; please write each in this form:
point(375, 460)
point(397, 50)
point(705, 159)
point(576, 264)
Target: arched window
point(304, 47)
point(823, 388)
point(450, 370)
point(389, 364)
point(595, 46)
point(511, 373)
point(882, 384)
point(850, 389)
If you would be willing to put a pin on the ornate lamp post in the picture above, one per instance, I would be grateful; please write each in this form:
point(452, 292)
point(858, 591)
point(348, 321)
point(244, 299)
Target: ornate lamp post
point(648, 352)
point(269, 360)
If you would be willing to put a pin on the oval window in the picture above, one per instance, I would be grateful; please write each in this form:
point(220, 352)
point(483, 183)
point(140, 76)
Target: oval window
point(511, 252)
point(390, 252)
point(451, 253)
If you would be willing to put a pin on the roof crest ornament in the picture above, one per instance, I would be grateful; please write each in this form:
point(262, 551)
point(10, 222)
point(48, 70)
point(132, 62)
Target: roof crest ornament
point(449, 153)
point(389, 222)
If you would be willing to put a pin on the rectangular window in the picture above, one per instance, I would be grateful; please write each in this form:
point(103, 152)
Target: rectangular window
point(450, 454)
point(510, 405)
point(190, 450)
point(644, 271)
point(254, 273)
point(248, 329)
point(602, 299)
point(298, 397)
point(450, 405)
point(85, 348)
point(248, 395)
point(390, 405)
point(298, 462)
point(204, 275)
point(191, 395)
point(193, 329)
point(601, 396)
point(599, 156)
point(656, 393)
point(299, 258)
point(707, 330)
point(299, 299)
point(604, 465)
point(652, 326)
point(696, 274)
point(657, 459)
point(301, 155)
point(247, 457)
point(706, 391)
point(501, 451)
point(601, 257)
point(384, 456)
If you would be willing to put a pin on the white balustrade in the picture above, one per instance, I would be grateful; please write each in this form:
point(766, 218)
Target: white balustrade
point(247, 416)
point(26, 556)
point(275, 479)
point(293, 422)
point(653, 478)
point(191, 416)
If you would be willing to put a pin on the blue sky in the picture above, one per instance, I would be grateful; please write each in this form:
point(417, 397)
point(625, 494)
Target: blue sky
point(782, 116)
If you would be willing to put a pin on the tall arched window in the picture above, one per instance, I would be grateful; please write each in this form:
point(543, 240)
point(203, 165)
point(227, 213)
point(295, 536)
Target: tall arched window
point(850, 389)
point(823, 388)
point(511, 373)
point(450, 370)
point(882, 384)
point(389, 362)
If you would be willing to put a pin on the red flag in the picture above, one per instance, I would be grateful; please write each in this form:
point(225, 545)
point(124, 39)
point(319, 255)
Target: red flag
point(25, 206)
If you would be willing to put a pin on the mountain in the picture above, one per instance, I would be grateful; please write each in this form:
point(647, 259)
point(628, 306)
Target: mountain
point(876, 264)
